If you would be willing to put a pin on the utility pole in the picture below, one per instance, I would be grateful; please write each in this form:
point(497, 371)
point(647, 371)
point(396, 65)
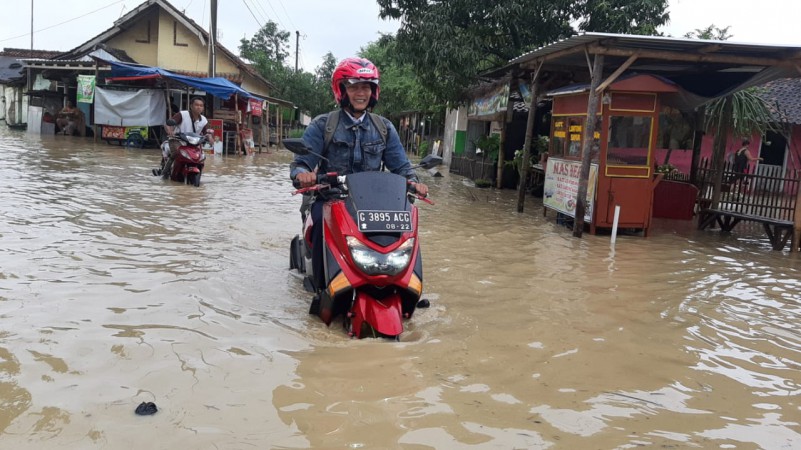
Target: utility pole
point(29, 83)
point(213, 40)
point(297, 47)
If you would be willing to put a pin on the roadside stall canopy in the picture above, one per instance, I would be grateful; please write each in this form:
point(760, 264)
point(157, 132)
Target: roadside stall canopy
point(216, 86)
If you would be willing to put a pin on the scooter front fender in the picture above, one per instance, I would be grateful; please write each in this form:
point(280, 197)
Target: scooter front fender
point(383, 315)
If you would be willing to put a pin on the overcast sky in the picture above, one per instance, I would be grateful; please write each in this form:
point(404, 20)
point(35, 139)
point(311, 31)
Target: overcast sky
point(344, 27)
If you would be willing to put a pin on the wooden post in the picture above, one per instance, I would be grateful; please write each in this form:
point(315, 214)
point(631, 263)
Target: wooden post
point(507, 117)
point(524, 168)
point(167, 98)
point(795, 242)
point(698, 136)
point(277, 136)
point(719, 150)
point(586, 151)
point(236, 121)
point(92, 115)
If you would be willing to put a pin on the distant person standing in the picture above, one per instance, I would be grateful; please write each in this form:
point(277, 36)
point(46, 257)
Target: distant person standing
point(68, 119)
point(741, 159)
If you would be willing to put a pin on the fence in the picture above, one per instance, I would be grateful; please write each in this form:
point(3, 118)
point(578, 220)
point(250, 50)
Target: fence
point(473, 168)
point(771, 193)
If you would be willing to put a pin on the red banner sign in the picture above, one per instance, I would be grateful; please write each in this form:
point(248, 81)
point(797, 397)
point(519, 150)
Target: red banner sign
point(255, 106)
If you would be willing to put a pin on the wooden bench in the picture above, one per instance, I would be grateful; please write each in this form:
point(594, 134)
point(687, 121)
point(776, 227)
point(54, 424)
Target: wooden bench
point(778, 231)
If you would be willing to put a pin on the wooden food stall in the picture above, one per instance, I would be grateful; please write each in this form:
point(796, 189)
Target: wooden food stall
point(622, 163)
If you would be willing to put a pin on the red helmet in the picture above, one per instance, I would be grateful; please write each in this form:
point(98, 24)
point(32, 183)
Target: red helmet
point(354, 70)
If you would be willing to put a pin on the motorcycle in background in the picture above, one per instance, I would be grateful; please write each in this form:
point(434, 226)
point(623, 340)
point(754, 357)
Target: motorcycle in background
point(371, 251)
point(190, 159)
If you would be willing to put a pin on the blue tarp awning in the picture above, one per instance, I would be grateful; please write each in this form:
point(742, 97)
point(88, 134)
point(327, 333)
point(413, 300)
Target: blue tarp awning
point(216, 86)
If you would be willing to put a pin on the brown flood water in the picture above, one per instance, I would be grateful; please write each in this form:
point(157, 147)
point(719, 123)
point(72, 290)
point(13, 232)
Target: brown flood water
point(117, 288)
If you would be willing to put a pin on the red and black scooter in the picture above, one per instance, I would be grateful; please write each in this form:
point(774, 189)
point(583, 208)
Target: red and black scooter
point(190, 160)
point(371, 251)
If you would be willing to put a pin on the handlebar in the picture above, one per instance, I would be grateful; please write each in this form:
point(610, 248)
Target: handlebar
point(333, 180)
point(329, 178)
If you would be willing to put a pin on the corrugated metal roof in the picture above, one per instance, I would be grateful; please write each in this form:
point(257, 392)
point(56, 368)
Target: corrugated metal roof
point(664, 44)
point(704, 69)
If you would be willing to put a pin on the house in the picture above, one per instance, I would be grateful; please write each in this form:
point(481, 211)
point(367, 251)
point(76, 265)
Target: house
point(13, 101)
point(156, 34)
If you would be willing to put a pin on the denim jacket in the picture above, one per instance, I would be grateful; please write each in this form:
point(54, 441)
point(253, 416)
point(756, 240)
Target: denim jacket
point(354, 148)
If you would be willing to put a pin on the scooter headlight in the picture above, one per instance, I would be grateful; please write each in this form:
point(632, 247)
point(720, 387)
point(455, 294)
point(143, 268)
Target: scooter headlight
point(193, 140)
point(185, 154)
point(372, 262)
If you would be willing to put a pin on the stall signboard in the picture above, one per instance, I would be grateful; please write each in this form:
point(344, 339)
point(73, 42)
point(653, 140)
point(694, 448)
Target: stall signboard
point(86, 89)
point(254, 105)
point(561, 187)
point(122, 133)
point(492, 102)
point(216, 125)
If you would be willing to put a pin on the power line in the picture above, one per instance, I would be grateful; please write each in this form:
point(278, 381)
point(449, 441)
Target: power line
point(276, 14)
point(251, 13)
point(287, 14)
point(62, 23)
point(262, 12)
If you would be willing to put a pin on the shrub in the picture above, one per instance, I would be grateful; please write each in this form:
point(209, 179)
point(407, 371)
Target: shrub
point(490, 146)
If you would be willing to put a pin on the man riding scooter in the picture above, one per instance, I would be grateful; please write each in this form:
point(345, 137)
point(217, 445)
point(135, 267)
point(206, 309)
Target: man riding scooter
point(359, 142)
point(191, 121)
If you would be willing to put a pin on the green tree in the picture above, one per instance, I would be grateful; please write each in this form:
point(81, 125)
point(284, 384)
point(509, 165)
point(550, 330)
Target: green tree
point(710, 33)
point(268, 51)
point(622, 16)
point(450, 43)
point(325, 70)
point(269, 43)
point(401, 90)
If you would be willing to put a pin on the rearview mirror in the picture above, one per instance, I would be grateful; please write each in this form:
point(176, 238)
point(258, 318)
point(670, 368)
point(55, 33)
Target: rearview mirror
point(296, 146)
point(171, 123)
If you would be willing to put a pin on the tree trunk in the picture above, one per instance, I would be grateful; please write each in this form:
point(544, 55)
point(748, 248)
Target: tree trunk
point(720, 150)
point(698, 136)
point(524, 166)
point(586, 151)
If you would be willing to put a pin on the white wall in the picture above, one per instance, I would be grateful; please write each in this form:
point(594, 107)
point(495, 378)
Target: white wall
point(455, 120)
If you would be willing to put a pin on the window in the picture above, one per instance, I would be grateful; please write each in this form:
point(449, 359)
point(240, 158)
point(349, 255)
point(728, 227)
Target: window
point(596, 140)
point(574, 131)
point(559, 136)
point(629, 141)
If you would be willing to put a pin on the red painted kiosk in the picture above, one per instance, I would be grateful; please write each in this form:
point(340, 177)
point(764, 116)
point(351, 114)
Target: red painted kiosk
point(622, 171)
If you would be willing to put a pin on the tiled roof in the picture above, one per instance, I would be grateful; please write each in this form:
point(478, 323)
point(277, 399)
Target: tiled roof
point(787, 93)
point(7, 72)
point(191, 24)
point(27, 53)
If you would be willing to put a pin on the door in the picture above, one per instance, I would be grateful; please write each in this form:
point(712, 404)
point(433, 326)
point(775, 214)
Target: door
point(632, 195)
point(773, 152)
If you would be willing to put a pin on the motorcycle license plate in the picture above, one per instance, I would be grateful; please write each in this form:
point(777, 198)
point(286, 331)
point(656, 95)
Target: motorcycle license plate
point(383, 221)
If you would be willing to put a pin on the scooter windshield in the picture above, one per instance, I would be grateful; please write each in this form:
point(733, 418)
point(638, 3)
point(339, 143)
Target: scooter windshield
point(377, 201)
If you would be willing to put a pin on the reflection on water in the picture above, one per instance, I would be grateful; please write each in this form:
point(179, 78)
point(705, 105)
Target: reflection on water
point(118, 288)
